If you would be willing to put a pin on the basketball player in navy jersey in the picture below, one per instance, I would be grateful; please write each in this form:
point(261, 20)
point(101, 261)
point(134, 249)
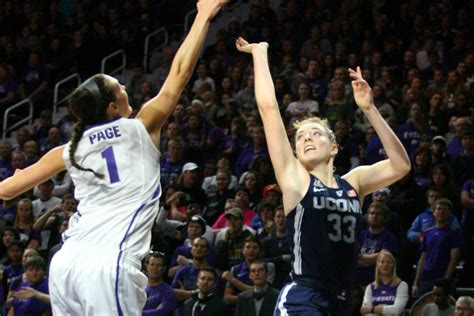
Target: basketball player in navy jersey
point(114, 163)
point(323, 210)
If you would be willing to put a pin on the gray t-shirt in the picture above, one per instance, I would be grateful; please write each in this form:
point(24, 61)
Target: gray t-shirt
point(433, 310)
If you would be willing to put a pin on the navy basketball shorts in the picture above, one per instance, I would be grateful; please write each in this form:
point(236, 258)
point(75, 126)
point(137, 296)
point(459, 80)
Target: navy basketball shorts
point(298, 299)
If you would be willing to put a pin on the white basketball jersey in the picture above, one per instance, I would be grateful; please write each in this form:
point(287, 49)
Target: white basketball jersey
point(117, 212)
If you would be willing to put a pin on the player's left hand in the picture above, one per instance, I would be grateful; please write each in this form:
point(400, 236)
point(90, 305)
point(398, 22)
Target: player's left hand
point(362, 90)
point(246, 47)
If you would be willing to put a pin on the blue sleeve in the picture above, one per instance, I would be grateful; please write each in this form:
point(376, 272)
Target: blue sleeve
point(454, 223)
point(414, 230)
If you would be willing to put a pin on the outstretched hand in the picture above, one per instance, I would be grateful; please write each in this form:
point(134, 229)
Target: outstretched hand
point(210, 7)
point(244, 46)
point(362, 90)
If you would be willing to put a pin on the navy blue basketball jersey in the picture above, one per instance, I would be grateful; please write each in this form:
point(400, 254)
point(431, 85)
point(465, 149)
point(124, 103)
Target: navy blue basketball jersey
point(323, 231)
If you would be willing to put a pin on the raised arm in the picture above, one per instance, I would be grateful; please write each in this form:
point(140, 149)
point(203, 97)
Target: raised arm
point(288, 170)
point(155, 112)
point(367, 179)
point(48, 166)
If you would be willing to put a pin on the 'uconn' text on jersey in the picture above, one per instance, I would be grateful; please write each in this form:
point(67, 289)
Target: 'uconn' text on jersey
point(333, 204)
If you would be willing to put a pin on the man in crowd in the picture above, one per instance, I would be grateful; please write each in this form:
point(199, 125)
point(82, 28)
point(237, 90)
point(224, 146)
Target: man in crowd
point(161, 299)
point(261, 299)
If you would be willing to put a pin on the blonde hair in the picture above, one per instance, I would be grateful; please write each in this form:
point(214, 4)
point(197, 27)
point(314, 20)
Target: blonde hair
point(395, 279)
point(30, 219)
point(314, 119)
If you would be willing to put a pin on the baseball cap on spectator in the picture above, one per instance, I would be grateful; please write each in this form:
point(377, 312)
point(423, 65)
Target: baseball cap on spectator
point(201, 221)
point(384, 191)
point(270, 187)
point(439, 138)
point(234, 212)
point(197, 102)
point(467, 132)
point(190, 166)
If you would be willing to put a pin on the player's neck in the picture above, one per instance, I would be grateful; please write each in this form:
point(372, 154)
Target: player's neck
point(326, 176)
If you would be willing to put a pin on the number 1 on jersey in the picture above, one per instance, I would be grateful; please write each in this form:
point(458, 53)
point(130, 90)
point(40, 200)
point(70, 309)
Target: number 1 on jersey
point(108, 155)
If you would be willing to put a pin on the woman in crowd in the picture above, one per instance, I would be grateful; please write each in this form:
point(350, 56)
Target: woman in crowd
point(388, 294)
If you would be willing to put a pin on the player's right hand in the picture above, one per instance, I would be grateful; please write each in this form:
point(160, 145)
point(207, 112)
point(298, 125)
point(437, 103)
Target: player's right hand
point(210, 7)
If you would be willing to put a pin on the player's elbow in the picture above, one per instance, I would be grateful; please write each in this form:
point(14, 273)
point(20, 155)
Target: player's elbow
point(402, 168)
point(267, 105)
point(6, 193)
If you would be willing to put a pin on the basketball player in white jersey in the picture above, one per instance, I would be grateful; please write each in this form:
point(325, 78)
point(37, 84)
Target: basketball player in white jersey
point(114, 163)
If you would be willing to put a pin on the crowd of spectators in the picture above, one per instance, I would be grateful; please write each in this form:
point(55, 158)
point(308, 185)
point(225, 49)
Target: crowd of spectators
point(220, 235)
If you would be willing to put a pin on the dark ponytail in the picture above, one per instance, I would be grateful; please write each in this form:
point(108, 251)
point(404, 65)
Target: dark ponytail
point(89, 104)
point(77, 133)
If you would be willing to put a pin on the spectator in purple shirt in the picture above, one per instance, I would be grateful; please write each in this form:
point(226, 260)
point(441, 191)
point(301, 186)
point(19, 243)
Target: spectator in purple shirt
point(184, 281)
point(5, 159)
point(32, 298)
point(7, 88)
point(388, 294)
point(463, 164)
point(172, 162)
point(415, 127)
point(460, 124)
point(238, 278)
point(258, 147)
point(34, 81)
point(426, 219)
point(14, 270)
point(195, 228)
point(441, 250)
point(373, 240)
point(467, 200)
point(161, 299)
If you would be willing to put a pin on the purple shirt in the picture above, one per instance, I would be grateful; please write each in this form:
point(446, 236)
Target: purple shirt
point(374, 152)
point(384, 294)
point(454, 147)
point(31, 306)
point(240, 272)
point(410, 137)
point(6, 88)
point(468, 212)
point(169, 171)
point(187, 276)
point(373, 243)
point(425, 221)
point(437, 244)
point(161, 300)
point(185, 251)
point(245, 158)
